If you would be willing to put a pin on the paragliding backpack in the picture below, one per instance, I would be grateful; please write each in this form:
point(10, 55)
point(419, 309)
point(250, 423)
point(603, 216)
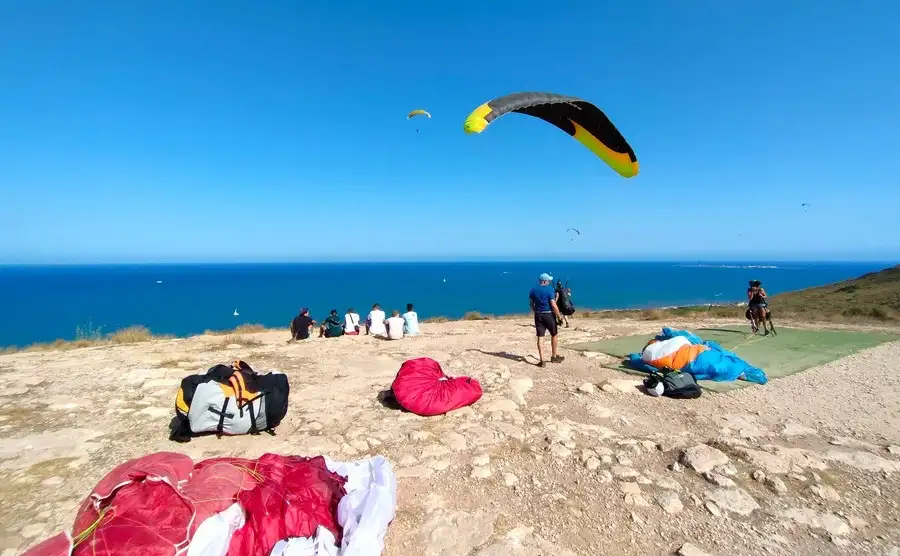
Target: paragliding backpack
point(676, 384)
point(230, 400)
point(565, 302)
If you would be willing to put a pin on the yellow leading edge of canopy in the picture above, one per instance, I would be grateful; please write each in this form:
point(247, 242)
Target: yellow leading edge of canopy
point(620, 162)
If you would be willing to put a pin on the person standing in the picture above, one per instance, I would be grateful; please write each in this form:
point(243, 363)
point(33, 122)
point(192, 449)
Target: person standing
point(546, 314)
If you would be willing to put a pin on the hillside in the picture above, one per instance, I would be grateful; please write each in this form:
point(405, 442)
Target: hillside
point(872, 296)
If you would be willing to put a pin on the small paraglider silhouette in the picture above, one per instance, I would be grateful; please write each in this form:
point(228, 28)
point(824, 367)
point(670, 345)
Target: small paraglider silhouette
point(805, 207)
point(573, 230)
point(418, 112)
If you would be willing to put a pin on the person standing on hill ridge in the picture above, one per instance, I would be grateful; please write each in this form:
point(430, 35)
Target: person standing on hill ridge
point(543, 303)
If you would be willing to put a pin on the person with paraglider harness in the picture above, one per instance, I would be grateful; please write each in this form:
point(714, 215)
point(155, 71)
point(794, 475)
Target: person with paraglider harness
point(564, 302)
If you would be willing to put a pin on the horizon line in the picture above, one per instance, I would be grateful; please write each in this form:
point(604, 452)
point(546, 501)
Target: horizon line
point(757, 262)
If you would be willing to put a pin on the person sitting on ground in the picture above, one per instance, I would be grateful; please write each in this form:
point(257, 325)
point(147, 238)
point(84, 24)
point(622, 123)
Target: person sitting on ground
point(302, 325)
point(410, 321)
point(351, 323)
point(394, 326)
point(543, 302)
point(332, 327)
point(375, 321)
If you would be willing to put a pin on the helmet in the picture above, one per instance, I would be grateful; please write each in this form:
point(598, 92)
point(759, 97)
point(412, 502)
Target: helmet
point(654, 385)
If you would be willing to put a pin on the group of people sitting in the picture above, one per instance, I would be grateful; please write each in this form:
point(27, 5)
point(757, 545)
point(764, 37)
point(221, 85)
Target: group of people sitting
point(377, 323)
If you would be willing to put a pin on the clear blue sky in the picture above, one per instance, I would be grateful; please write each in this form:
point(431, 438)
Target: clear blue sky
point(234, 130)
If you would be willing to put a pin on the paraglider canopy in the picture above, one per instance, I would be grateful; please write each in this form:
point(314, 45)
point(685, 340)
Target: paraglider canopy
point(579, 118)
point(418, 112)
point(573, 230)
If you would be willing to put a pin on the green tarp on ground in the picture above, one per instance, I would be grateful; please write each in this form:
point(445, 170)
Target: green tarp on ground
point(791, 351)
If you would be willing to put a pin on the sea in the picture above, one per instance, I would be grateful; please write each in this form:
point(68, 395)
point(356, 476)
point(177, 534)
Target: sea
point(45, 303)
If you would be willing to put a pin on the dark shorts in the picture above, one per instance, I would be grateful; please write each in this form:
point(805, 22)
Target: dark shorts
point(758, 306)
point(544, 322)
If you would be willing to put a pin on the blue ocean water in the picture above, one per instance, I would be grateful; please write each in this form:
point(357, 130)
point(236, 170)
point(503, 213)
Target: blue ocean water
point(44, 303)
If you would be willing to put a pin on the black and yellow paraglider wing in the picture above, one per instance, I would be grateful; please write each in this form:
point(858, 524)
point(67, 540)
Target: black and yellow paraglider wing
point(579, 118)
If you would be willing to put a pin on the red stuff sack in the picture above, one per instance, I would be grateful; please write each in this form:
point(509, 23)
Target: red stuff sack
point(422, 388)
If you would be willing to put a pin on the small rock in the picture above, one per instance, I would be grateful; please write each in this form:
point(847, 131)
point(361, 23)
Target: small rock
point(623, 473)
point(510, 480)
point(624, 460)
point(233, 346)
point(857, 523)
point(796, 429)
point(649, 445)
point(587, 388)
point(315, 426)
point(713, 509)
point(718, 480)
point(592, 463)
point(481, 460)
point(702, 458)
point(676, 467)
point(604, 476)
point(622, 385)
point(500, 404)
point(32, 530)
point(636, 518)
point(825, 492)
point(687, 549)
point(560, 451)
point(480, 472)
point(419, 436)
point(776, 484)
point(734, 500)
point(670, 502)
point(440, 464)
point(759, 476)
point(518, 387)
point(453, 440)
point(894, 450)
point(668, 484)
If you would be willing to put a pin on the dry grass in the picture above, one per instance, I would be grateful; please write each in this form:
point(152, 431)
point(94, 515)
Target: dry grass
point(238, 339)
point(242, 329)
point(130, 335)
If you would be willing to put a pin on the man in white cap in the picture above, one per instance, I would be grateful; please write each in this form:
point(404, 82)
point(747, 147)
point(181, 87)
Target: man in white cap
point(546, 313)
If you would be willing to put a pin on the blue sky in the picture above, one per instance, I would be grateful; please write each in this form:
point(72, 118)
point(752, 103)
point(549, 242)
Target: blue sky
point(244, 131)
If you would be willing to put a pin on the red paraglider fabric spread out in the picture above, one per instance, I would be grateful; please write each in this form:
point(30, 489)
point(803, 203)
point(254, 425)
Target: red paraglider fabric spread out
point(422, 387)
point(152, 506)
point(294, 497)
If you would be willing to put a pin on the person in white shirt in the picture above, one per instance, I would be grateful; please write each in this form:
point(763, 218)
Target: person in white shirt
point(395, 326)
point(410, 321)
point(351, 323)
point(375, 321)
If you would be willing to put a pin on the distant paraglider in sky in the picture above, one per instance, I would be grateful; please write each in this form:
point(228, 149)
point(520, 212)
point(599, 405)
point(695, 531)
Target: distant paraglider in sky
point(574, 236)
point(586, 123)
point(418, 112)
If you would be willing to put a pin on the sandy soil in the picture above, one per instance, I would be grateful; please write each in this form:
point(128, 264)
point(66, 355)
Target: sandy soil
point(566, 459)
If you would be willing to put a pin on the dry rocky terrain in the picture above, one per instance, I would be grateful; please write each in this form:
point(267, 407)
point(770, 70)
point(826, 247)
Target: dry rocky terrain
point(567, 459)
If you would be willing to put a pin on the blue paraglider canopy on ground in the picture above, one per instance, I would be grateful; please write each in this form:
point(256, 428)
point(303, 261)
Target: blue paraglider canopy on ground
point(715, 363)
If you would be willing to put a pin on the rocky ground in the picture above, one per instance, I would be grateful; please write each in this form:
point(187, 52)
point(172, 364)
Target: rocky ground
point(568, 459)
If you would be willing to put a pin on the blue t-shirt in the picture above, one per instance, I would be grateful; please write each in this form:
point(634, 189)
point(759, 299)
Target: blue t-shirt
point(541, 296)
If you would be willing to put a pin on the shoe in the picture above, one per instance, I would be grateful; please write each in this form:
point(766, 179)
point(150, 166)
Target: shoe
point(557, 359)
point(541, 364)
